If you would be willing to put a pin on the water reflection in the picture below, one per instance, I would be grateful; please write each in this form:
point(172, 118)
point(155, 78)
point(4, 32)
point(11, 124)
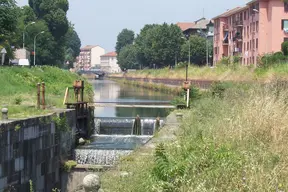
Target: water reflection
point(109, 91)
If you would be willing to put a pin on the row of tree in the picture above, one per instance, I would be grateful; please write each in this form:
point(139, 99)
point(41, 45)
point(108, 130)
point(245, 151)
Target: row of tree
point(59, 43)
point(159, 46)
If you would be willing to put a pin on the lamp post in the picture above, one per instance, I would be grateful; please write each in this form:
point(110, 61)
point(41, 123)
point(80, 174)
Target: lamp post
point(189, 56)
point(24, 33)
point(257, 11)
point(35, 46)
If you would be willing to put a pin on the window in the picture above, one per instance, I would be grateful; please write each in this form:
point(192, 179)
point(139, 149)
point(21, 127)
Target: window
point(247, 46)
point(285, 7)
point(284, 24)
point(257, 26)
point(244, 47)
point(257, 43)
point(285, 39)
point(215, 50)
point(244, 15)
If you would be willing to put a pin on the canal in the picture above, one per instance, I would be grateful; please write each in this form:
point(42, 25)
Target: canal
point(110, 91)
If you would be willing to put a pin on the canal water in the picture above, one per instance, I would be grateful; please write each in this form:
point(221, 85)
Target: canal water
point(113, 125)
point(110, 91)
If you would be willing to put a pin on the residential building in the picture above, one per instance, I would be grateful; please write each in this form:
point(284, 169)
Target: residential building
point(193, 28)
point(90, 56)
point(258, 28)
point(109, 63)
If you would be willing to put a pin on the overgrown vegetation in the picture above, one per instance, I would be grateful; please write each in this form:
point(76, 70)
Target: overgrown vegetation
point(19, 91)
point(152, 86)
point(234, 139)
point(68, 165)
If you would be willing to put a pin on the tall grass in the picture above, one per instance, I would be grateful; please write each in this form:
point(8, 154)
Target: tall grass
point(236, 142)
point(19, 92)
point(220, 72)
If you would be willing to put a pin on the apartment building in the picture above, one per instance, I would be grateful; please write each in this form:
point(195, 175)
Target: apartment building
point(109, 63)
point(90, 56)
point(193, 28)
point(258, 28)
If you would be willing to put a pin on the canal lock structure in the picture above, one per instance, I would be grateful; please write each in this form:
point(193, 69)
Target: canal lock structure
point(113, 136)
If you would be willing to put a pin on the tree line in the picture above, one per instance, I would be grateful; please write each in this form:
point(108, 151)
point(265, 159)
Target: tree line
point(159, 45)
point(58, 45)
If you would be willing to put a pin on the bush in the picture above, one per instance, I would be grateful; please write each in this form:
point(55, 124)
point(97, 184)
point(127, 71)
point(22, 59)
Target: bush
point(284, 48)
point(68, 165)
point(268, 60)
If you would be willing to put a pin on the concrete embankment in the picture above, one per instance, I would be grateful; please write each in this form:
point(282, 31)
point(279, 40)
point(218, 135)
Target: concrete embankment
point(34, 149)
point(202, 84)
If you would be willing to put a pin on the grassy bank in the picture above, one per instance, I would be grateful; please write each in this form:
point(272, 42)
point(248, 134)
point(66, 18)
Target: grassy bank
point(221, 73)
point(151, 86)
point(19, 92)
point(233, 139)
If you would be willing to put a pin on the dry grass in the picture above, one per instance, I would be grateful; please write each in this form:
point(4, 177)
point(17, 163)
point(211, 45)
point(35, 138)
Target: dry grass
point(221, 73)
point(235, 143)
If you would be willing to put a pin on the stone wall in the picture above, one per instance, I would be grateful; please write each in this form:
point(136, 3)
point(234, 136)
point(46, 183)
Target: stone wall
point(32, 149)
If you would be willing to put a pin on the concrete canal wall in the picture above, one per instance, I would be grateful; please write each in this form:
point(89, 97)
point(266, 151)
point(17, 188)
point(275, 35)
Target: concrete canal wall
point(33, 149)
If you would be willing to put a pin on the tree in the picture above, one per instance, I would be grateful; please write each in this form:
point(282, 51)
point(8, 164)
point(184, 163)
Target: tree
point(73, 41)
point(125, 37)
point(72, 45)
point(159, 44)
point(127, 57)
point(8, 17)
point(197, 50)
point(53, 13)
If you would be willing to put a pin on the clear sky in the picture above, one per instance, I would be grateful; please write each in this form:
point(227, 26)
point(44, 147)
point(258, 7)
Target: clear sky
point(99, 22)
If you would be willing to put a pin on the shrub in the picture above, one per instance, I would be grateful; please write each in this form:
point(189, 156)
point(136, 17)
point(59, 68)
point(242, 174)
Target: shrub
point(18, 100)
point(68, 165)
point(284, 48)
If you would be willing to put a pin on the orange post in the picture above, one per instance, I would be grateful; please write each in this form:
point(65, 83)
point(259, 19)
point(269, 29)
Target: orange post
point(38, 95)
point(43, 95)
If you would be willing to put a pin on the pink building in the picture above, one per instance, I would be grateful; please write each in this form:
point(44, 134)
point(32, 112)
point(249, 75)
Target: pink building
point(251, 31)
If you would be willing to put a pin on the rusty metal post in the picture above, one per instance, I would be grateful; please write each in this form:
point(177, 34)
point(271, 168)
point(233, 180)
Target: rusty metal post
point(38, 95)
point(82, 91)
point(43, 95)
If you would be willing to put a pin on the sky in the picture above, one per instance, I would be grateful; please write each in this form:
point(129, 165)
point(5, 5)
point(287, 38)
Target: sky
point(99, 22)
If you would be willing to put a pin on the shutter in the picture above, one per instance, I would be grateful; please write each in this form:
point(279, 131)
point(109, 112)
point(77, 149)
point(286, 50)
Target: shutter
point(282, 27)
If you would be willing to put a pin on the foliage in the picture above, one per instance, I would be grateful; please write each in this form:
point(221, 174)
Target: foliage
point(124, 38)
point(17, 127)
point(31, 186)
point(158, 44)
point(268, 60)
point(8, 17)
point(61, 124)
point(127, 58)
point(197, 50)
point(284, 48)
point(68, 165)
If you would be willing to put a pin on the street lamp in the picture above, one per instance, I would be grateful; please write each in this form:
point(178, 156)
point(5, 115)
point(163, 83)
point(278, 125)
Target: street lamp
point(257, 11)
point(32, 23)
point(207, 47)
point(189, 55)
point(35, 46)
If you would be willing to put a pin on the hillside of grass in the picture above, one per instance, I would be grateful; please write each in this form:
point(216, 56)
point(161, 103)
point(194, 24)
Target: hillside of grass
point(19, 89)
point(232, 139)
point(219, 73)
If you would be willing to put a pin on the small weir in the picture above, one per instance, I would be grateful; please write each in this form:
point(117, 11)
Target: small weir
point(116, 133)
point(113, 138)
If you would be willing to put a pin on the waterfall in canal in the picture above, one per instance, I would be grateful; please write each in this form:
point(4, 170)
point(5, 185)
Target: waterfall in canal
point(113, 139)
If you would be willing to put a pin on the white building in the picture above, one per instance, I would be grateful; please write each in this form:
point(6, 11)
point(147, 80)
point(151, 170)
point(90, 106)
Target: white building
point(90, 56)
point(109, 63)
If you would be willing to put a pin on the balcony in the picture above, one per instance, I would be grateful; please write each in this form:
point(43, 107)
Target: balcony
point(225, 28)
point(225, 42)
point(239, 23)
